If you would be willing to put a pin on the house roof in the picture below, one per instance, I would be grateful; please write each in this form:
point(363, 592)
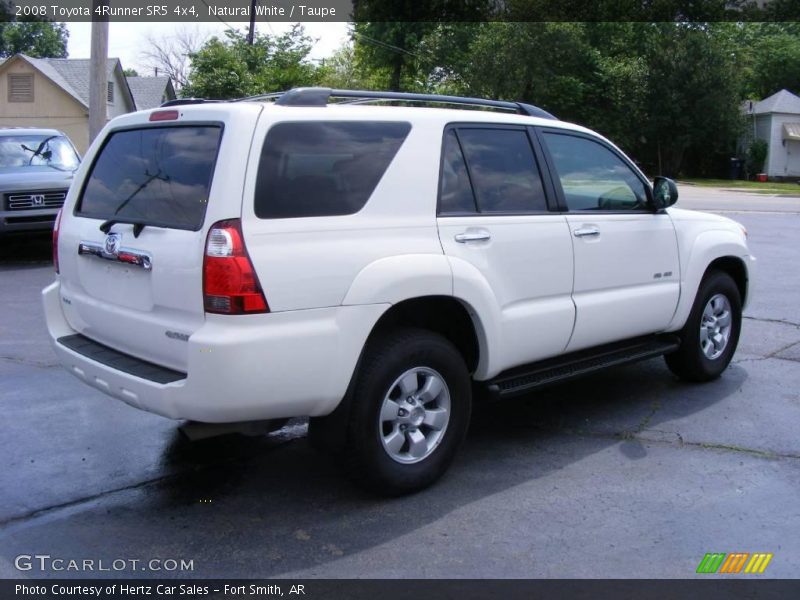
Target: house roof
point(780, 102)
point(71, 74)
point(149, 92)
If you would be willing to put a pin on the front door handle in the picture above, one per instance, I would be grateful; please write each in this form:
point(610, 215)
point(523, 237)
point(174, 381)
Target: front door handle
point(586, 231)
point(473, 236)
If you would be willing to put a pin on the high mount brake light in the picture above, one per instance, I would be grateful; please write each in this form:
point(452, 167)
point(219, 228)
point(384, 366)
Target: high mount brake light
point(230, 283)
point(164, 115)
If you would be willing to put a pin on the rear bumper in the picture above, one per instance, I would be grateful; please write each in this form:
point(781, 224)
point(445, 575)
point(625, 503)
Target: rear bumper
point(243, 368)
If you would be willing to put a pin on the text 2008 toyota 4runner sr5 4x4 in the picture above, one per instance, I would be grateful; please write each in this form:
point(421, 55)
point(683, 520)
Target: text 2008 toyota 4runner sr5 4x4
point(369, 266)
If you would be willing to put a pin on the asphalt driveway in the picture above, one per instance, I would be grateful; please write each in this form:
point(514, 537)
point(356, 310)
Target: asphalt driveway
point(627, 473)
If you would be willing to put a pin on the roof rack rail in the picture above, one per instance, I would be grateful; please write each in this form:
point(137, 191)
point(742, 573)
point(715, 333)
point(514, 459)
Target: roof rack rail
point(180, 101)
point(319, 96)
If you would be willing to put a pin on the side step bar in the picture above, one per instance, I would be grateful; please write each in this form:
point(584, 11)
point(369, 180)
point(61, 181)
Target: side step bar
point(526, 378)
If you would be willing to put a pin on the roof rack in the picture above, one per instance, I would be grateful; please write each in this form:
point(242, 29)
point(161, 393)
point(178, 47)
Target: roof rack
point(320, 96)
point(180, 101)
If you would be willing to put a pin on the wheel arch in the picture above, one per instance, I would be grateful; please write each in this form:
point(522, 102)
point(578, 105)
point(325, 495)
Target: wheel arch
point(722, 250)
point(736, 268)
point(448, 316)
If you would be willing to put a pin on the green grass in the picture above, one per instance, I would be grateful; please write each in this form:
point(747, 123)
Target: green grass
point(766, 187)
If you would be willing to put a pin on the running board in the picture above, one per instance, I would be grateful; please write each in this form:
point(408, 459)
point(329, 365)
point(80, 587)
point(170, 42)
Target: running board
point(576, 364)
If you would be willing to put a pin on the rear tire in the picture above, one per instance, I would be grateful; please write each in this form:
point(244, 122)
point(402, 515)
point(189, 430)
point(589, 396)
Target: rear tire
point(410, 411)
point(711, 333)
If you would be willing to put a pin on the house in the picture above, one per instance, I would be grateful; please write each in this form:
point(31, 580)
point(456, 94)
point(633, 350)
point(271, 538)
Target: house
point(150, 92)
point(776, 120)
point(54, 93)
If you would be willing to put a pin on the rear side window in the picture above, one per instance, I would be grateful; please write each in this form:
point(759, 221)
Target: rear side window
point(503, 170)
point(153, 176)
point(323, 168)
point(456, 194)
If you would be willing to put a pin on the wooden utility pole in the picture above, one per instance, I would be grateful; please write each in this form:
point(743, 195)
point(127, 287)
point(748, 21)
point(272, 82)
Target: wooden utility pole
point(252, 33)
point(98, 78)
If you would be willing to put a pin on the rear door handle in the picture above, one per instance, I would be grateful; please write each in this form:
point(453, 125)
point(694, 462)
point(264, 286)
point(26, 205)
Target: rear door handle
point(586, 231)
point(473, 236)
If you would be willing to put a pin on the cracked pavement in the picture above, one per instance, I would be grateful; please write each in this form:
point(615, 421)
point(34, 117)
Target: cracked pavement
point(627, 473)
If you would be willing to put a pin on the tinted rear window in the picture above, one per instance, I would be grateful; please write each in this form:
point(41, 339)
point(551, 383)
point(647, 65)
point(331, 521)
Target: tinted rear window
point(323, 168)
point(155, 176)
point(503, 170)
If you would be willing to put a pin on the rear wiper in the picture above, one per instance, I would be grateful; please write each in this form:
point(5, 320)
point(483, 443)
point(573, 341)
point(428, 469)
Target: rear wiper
point(107, 225)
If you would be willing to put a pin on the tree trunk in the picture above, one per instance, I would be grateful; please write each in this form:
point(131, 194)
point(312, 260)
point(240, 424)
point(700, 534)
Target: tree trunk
point(397, 71)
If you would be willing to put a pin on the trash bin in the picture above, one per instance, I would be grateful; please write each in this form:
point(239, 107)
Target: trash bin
point(735, 168)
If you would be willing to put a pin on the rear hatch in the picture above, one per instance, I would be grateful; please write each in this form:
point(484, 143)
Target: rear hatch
point(131, 241)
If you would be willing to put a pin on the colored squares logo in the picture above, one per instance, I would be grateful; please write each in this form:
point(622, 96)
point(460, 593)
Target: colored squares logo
point(735, 562)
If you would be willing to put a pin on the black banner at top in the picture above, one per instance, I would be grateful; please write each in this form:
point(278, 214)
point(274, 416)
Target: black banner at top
point(235, 11)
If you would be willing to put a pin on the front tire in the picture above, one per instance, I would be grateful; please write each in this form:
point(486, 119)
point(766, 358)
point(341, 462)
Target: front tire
point(711, 333)
point(410, 412)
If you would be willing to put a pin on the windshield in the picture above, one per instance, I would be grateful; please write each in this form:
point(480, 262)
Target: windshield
point(21, 151)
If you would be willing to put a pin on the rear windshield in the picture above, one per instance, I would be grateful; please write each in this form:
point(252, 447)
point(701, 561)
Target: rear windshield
point(323, 168)
point(153, 176)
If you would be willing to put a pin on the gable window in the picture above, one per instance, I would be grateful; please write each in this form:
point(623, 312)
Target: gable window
point(111, 92)
point(20, 88)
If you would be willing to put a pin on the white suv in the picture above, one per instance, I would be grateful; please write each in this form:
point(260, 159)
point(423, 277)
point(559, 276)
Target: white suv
point(372, 266)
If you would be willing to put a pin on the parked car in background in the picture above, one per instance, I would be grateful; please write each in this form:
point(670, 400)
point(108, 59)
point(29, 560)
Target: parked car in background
point(36, 168)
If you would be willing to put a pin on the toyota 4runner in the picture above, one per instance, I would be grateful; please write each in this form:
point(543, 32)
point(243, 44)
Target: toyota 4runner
point(371, 266)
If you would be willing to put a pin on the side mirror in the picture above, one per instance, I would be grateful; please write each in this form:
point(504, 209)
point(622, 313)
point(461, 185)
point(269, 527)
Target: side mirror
point(665, 193)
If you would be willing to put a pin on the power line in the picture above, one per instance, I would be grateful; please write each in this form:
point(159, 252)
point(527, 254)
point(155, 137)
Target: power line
point(384, 45)
point(228, 25)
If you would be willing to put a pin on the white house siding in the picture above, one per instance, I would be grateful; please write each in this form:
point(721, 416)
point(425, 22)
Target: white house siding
point(784, 156)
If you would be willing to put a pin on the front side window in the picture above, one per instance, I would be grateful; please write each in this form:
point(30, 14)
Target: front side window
point(323, 168)
point(153, 176)
point(24, 151)
point(503, 170)
point(593, 177)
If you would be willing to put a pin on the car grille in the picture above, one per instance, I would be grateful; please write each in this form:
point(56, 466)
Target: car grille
point(29, 200)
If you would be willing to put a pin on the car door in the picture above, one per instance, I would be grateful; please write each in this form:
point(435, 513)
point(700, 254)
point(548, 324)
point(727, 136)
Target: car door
point(627, 278)
point(494, 216)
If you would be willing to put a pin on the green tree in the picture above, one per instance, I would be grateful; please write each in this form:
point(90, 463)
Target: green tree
point(776, 64)
point(41, 39)
point(130, 72)
point(344, 70)
point(390, 36)
point(232, 68)
point(691, 105)
point(499, 64)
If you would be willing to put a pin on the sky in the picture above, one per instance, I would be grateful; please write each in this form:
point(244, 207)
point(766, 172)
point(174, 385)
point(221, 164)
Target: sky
point(126, 40)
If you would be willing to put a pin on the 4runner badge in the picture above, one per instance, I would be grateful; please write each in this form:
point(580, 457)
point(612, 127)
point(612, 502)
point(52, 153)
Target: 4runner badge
point(112, 243)
point(176, 335)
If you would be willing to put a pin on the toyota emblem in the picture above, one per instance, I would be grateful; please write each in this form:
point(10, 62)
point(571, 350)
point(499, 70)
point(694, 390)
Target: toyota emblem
point(112, 243)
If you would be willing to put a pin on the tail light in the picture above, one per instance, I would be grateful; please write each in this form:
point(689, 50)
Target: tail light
point(56, 225)
point(230, 284)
